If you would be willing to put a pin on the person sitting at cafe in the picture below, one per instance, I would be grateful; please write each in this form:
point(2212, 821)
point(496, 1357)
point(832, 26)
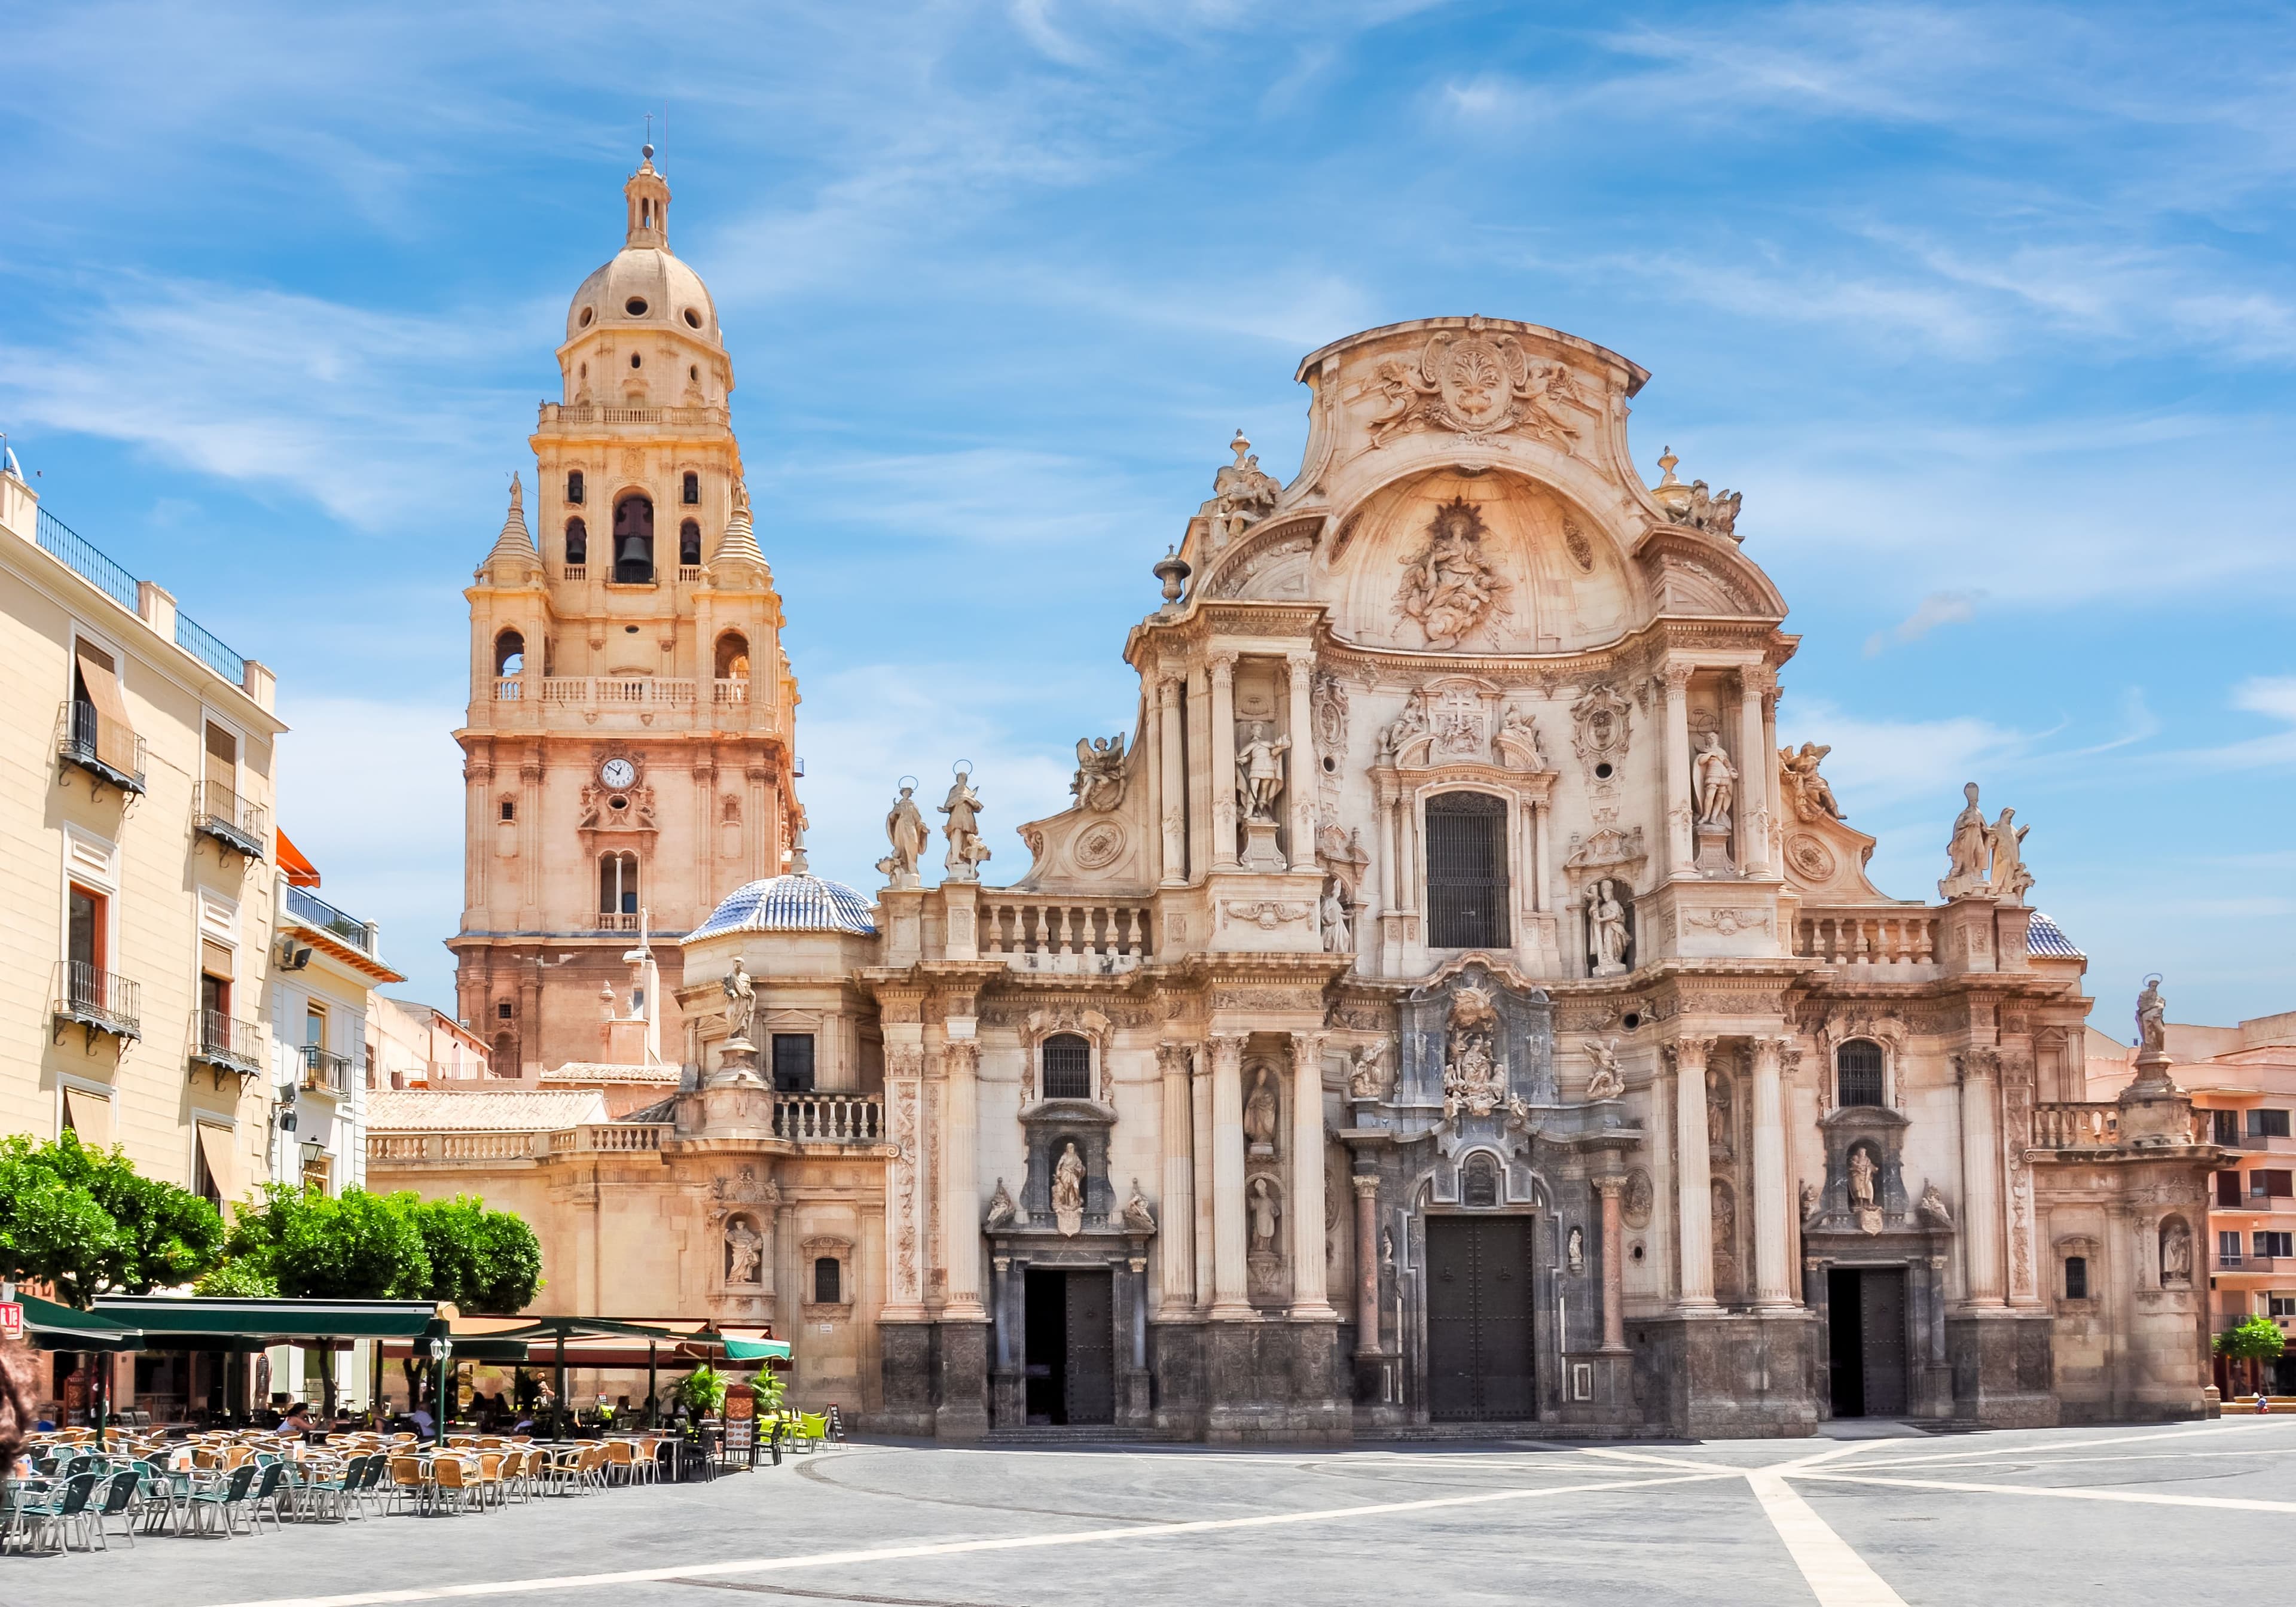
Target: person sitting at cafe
point(297, 1420)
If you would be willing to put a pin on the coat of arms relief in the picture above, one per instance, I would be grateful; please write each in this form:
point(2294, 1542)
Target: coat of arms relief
point(1477, 384)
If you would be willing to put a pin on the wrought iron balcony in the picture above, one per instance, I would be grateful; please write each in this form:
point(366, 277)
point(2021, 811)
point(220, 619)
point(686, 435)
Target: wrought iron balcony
point(219, 812)
point(325, 1071)
point(225, 1044)
point(317, 913)
point(103, 747)
point(96, 1000)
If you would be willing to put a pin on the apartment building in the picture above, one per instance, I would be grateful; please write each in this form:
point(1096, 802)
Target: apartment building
point(2243, 1083)
point(417, 1045)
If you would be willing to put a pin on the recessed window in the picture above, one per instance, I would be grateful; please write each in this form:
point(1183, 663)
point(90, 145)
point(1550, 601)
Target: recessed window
point(509, 809)
point(637, 361)
point(1630, 1020)
point(502, 1011)
point(1068, 1067)
point(510, 654)
point(693, 373)
point(793, 1062)
point(828, 1276)
point(1466, 871)
point(2076, 1277)
point(689, 543)
point(691, 494)
point(635, 307)
point(574, 486)
point(634, 540)
point(692, 319)
point(577, 542)
point(617, 884)
point(2267, 1124)
point(588, 315)
point(1859, 1068)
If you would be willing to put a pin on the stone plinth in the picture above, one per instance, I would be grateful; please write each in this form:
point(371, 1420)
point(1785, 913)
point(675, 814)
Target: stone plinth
point(1260, 851)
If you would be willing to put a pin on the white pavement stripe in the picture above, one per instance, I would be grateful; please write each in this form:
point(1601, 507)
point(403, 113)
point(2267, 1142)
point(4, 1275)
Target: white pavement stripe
point(937, 1548)
point(2041, 1461)
point(2239, 1503)
point(2154, 1436)
point(1838, 1575)
point(1649, 1460)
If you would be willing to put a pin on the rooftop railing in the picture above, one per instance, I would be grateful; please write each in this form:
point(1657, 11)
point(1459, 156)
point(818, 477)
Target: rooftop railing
point(76, 553)
point(314, 911)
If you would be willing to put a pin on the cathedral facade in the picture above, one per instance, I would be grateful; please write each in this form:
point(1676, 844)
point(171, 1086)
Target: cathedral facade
point(1446, 1005)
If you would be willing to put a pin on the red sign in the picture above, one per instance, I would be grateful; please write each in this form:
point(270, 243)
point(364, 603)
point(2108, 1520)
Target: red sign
point(12, 1320)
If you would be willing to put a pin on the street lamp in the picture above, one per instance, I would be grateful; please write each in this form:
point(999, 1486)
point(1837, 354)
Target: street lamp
point(442, 1350)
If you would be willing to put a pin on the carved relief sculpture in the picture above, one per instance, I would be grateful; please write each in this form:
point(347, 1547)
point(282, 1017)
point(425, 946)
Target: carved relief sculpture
point(1002, 1211)
point(1406, 731)
point(1601, 726)
point(2010, 877)
point(1933, 1206)
point(1137, 1216)
point(2176, 1253)
point(1265, 1213)
point(1609, 1079)
point(1472, 383)
point(1716, 778)
point(1068, 1191)
point(1517, 742)
point(966, 851)
point(1449, 589)
point(1812, 794)
point(1099, 783)
point(1329, 707)
point(1337, 938)
point(1606, 927)
point(1367, 1071)
point(1474, 1076)
point(905, 829)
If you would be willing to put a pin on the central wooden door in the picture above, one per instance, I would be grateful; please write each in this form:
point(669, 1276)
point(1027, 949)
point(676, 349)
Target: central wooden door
point(1881, 1339)
point(1089, 1375)
point(1478, 1318)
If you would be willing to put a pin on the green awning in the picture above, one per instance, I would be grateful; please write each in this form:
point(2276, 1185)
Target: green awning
point(549, 1330)
point(752, 1350)
point(197, 1323)
point(50, 1326)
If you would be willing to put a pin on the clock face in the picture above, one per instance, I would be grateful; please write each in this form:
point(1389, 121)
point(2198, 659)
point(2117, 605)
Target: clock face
point(618, 773)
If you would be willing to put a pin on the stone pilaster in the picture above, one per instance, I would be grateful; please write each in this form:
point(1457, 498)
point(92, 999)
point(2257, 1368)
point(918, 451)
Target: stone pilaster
point(1309, 1296)
point(1681, 812)
point(1175, 1235)
point(1772, 1270)
point(1300, 770)
point(960, 1172)
point(1614, 1264)
point(1230, 1299)
point(1222, 737)
point(1754, 762)
point(1693, 1172)
point(1172, 779)
point(1980, 1174)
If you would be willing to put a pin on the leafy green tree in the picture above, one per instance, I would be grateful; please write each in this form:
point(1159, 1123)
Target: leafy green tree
point(84, 1221)
point(245, 1280)
point(482, 1260)
point(2255, 1338)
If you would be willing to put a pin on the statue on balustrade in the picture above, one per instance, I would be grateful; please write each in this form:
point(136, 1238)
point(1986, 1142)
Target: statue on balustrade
point(905, 829)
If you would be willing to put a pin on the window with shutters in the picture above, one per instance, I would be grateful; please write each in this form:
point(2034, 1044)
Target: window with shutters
point(1068, 1067)
point(2267, 1124)
point(2268, 1185)
point(1466, 871)
point(1857, 1069)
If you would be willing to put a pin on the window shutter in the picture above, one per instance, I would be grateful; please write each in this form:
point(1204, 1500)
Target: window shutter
point(215, 960)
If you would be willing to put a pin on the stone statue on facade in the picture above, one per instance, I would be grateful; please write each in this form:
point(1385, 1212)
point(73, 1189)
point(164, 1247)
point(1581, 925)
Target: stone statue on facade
point(1862, 1173)
point(1002, 1211)
point(1606, 924)
point(1608, 1080)
point(1137, 1216)
point(1367, 1071)
point(1068, 1191)
point(1337, 938)
point(1099, 783)
point(1933, 1206)
point(1575, 1250)
point(2153, 1017)
point(741, 1003)
point(1517, 741)
point(2009, 876)
point(1716, 777)
point(2176, 1252)
point(1965, 850)
point(905, 829)
point(1265, 1212)
point(966, 851)
point(745, 1252)
point(1406, 729)
point(1474, 1076)
point(1259, 770)
point(1449, 587)
point(1259, 1114)
point(1812, 794)
point(1809, 1201)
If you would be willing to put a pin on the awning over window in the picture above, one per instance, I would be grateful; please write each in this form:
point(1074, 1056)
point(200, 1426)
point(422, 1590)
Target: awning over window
point(89, 1115)
point(115, 733)
point(50, 1326)
point(223, 1166)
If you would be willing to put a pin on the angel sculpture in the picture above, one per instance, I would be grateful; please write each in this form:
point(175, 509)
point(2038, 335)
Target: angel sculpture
point(1608, 1080)
point(1812, 794)
point(1099, 783)
point(1137, 1216)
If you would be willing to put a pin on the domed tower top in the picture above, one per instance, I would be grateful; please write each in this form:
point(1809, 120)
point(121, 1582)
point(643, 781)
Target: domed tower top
point(645, 284)
point(648, 195)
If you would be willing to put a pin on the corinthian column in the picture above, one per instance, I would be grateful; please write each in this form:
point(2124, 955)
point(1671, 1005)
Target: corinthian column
point(1680, 812)
point(1771, 1287)
point(1694, 1171)
point(1301, 771)
point(1366, 1187)
point(1614, 1265)
point(1310, 1296)
point(960, 1177)
point(1230, 1298)
point(1172, 779)
point(1980, 1175)
point(1176, 1228)
point(1222, 737)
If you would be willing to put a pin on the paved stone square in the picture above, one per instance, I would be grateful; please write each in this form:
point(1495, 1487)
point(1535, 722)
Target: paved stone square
point(2090, 1515)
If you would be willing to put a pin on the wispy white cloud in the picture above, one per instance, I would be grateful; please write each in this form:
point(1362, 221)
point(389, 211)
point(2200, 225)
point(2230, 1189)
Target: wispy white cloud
point(1883, 763)
point(1937, 609)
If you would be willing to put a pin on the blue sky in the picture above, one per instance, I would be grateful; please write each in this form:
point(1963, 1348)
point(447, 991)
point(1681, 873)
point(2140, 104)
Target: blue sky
point(1989, 311)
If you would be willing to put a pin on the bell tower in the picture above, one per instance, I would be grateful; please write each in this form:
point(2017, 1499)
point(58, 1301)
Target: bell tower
point(628, 740)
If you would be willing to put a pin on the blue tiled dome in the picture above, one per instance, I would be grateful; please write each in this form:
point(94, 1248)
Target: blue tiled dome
point(2045, 937)
point(793, 903)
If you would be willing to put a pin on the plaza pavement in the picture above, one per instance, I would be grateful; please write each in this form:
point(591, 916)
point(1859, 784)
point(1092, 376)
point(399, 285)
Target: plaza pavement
point(2095, 1516)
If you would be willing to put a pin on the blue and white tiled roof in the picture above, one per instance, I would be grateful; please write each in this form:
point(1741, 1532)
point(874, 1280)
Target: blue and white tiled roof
point(793, 903)
point(2045, 938)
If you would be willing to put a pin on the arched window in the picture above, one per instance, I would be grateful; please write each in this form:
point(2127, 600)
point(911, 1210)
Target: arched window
point(617, 884)
point(577, 542)
point(828, 1281)
point(733, 657)
point(691, 495)
point(574, 476)
point(689, 543)
point(1857, 1067)
point(633, 539)
point(1479, 1181)
point(510, 654)
point(1068, 1067)
point(1466, 871)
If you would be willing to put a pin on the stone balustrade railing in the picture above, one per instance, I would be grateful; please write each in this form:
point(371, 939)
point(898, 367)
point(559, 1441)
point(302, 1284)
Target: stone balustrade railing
point(798, 1118)
point(829, 1118)
point(2083, 1125)
point(1073, 935)
point(620, 1138)
point(728, 702)
point(448, 1149)
point(1854, 938)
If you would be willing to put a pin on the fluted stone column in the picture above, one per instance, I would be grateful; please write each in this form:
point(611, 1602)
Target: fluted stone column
point(1614, 1264)
point(1754, 760)
point(1366, 1187)
point(1175, 1227)
point(1980, 1175)
point(1299, 770)
point(1310, 1297)
point(1230, 1297)
point(1681, 812)
point(1222, 738)
point(1771, 1277)
point(1200, 1129)
point(1694, 1171)
point(960, 1177)
point(1172, 779)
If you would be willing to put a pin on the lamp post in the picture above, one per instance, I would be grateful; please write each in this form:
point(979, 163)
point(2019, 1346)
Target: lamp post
point(442, 1350)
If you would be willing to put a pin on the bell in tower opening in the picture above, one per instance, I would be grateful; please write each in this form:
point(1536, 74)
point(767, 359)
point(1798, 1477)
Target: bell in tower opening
point(633, 541)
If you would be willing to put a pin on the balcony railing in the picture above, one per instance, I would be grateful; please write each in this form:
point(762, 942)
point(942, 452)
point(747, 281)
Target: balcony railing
point(103, 747)
point(614, 920)
point(733, 691)
point(97, 1000)
point(221, 813)
point(2089, 1125)
point(1859, 939)
point(575, 571)
point(613, 1138)
point(689, 572)
point(509, 689)
point(226, 1044)
point(1063, 934)
point(585, 413)
point(316, 912)
point(829, 1118)
point(64, 543)
point(325, 1071)
point(2240, 1262)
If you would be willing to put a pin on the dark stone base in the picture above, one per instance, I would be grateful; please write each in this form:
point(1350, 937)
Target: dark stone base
point(1732, 1375)
point(1176, 1368)
point(1276, 1382)
point(2003, 1376)
point(908, 1375)
point(961, 1409)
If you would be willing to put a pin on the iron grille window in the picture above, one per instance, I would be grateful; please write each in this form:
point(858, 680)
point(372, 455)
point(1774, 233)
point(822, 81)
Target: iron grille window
point(2076, 1277)
point(1466, 871)
point(1859, 1066)
point(1068, 1067)
point(826, 1281)
point(792, 1062)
